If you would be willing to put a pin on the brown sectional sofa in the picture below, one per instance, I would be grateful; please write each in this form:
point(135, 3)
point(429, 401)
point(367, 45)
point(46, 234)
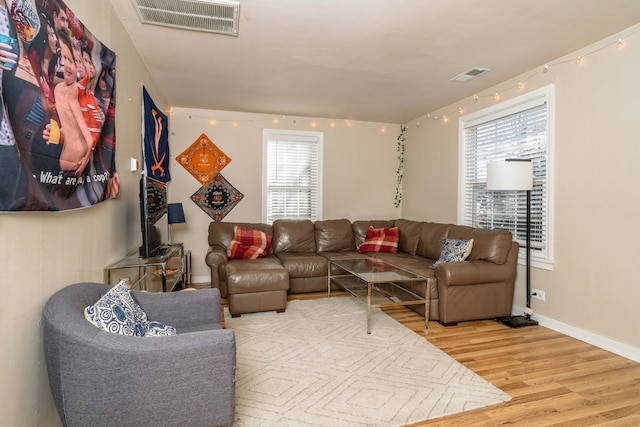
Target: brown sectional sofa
point(479, 288)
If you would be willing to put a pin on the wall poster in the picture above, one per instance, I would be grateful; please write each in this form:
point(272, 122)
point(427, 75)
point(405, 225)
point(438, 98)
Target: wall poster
point(57, 115)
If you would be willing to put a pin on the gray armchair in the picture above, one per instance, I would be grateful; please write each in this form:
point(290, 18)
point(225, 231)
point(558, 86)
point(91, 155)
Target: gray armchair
point(102, 379)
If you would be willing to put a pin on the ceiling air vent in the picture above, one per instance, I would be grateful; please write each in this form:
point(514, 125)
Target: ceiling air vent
point(470, 74)
point(216, 16)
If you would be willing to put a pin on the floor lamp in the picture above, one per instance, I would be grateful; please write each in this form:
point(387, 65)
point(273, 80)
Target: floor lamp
point(176, 216)
point(516, 175)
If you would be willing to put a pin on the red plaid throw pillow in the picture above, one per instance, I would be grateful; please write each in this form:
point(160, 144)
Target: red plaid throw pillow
point(249, 244)
point(380, 240)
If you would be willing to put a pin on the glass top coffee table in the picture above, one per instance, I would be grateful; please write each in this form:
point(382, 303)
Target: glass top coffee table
point(378, 283)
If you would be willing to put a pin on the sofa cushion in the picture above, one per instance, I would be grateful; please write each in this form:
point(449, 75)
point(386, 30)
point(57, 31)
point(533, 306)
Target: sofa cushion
point(222, 233)
point(256, 275)
point(454, 250)
point(334, 235)
point(432, 238)
point(360, 228)
point(290, 235)
point(489, 245)
point(409, 235)
point(380, 240)
point(303, 264)
point(249, 244)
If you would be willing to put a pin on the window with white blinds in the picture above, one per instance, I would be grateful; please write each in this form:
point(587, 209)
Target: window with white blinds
point(517, 130)
point(292, 165)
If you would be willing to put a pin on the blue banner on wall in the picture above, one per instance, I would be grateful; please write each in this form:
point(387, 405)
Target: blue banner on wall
point(155, 140)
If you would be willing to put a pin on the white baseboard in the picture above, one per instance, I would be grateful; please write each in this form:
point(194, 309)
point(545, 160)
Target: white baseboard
point(201, 279)
point(616, 347)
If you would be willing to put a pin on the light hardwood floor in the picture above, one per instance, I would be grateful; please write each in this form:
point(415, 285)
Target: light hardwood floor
point(553, 379)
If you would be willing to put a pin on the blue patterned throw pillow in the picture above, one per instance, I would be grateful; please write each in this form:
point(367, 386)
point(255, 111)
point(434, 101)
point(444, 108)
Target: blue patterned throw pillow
point(122, 289)
point(114, 313)
point(454, 250)
point(119, 313)
point(157, 329)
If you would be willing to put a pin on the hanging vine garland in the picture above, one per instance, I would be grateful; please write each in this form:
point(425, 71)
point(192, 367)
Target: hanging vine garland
point(400, 171)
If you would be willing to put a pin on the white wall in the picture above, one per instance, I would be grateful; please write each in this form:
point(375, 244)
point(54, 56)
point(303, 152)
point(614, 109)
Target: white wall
point(359, 169)
point(44, 252)
point(593, 289)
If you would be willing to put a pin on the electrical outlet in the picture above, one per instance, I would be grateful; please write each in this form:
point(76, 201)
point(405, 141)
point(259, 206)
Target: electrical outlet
point(538, 294)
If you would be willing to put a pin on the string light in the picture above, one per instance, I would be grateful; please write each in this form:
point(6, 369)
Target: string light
point(312, 123)
point(520, 86)
point(496, 96)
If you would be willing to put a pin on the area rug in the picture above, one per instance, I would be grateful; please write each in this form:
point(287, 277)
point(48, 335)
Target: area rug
point(315, 365)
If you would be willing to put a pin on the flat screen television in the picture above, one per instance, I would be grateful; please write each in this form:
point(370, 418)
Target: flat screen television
point(154, 219)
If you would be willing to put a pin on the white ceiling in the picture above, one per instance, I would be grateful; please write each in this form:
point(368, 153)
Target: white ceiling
point(372, 60)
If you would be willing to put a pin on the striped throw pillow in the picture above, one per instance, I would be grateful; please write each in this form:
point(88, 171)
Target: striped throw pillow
point(249, 244)
point(380, 240)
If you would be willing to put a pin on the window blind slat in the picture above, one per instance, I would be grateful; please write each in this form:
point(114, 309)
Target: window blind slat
point(521, 134)
point(292, 178)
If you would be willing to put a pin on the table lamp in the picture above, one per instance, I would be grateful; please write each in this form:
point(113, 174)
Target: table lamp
point(176, 216)
point(516, 175)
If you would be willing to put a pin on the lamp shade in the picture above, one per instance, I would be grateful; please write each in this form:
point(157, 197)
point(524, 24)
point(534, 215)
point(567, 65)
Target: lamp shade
point(176, 213)
point(510, 174)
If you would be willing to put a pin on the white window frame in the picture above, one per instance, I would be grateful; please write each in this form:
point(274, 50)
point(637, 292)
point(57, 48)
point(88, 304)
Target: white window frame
point(540, 257)
point(315, 187)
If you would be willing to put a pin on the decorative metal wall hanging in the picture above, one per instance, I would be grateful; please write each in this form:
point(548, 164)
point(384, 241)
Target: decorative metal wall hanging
point(203, 159)
point(217, 198)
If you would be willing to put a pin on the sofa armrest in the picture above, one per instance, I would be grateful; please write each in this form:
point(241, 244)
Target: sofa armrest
point(203, 307)
point(216, 256)
point(164, 369)
point(471, 273)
